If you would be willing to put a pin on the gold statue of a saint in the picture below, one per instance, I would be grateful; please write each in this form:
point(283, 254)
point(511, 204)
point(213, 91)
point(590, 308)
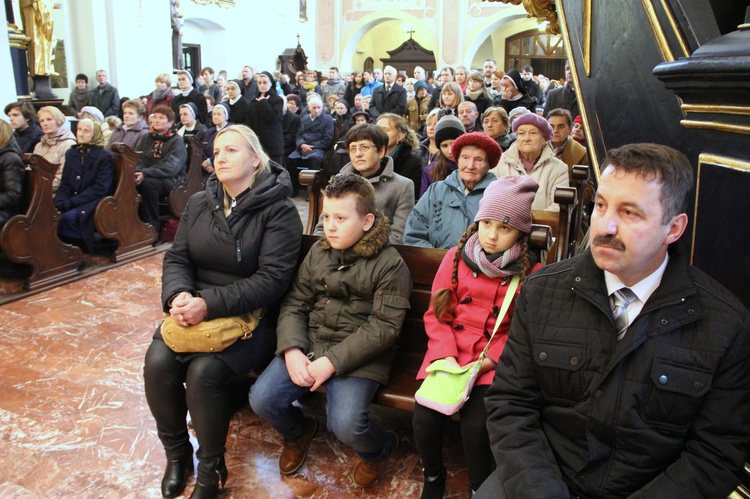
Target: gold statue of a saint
point(38, 25)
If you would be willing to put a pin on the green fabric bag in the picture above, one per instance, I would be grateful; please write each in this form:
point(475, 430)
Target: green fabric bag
point(447, 386)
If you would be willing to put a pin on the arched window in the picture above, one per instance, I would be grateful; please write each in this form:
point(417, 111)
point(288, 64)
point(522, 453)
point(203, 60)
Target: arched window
point(369, 64)
point(540, 50)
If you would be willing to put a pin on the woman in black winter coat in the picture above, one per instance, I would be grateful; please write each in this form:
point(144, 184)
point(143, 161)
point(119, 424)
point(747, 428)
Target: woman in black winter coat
point(235, 252)
point(264, 117)
point(402, 143)
point(86, 179)
point(11, 174)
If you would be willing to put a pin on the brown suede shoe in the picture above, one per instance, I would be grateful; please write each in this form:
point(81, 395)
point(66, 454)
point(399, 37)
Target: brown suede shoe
point(366, 474)
point(294, 453)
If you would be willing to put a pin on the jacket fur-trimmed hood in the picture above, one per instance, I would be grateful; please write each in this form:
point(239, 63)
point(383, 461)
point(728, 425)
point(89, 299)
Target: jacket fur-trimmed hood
point(372, 242)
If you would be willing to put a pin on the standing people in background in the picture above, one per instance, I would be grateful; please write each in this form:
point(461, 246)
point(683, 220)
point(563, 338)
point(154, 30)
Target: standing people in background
point(311, 84)
point(461, 76)
point(450, 97)
point(496, 88)
point(224, 262)
point(446, 76)
point(264, 117)
point(390, 97)
point(133, 127)
point(370, 83)
point(531, 155)
point(377, 73)
point(248, 85)
point(471, 284)
point(657, 403)
point(514, 93)
point(420, 75)
point(187, 93)
point(489, 67)
point(299, 88)
point(104, 96)
point(161, 96)
point(212, 89)
point(477, 93)
point(402, 146)
point(55, 142)
point(25, 128)
point(79, 97)
point(417, 106)
point(354, 88)
point(447, 129)
point(532, 87)
point(162, 163)
point(238, 105)
point(87, 178)
point(11, 174)
point(333, 86)
point(563, 97)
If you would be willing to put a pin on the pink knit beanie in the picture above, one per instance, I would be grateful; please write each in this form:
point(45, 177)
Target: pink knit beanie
point(508, 199)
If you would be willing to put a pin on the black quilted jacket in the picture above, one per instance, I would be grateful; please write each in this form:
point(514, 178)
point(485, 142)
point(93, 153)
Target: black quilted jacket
point(664, 413)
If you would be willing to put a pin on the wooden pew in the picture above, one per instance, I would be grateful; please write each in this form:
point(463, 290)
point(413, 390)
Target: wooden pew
point(31, 238)
point(116, 217)
point(559, 223)
point(193, 181)
point(315, 180)
point(580, 175)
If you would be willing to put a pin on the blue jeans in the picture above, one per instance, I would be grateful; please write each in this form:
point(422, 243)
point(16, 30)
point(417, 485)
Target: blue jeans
point(348, 401)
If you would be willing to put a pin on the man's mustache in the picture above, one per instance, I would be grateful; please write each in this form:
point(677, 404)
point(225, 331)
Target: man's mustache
point(609, 241)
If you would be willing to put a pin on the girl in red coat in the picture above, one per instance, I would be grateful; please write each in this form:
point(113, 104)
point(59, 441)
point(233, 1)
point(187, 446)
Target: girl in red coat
point(467, 293)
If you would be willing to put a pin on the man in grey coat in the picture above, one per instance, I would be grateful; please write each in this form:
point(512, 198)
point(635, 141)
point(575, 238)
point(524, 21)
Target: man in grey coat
point(105, 97)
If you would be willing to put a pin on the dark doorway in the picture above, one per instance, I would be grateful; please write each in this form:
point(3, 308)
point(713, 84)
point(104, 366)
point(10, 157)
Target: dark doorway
point(191, 58)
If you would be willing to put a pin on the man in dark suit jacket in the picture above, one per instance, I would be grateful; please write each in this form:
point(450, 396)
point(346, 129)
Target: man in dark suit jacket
point(563, 97)
point(389, 97)
point(290, 126)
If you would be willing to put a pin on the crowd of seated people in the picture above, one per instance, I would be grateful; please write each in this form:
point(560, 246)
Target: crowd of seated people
point(457, 162)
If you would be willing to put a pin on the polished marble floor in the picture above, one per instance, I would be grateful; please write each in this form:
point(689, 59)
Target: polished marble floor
point(74, 421)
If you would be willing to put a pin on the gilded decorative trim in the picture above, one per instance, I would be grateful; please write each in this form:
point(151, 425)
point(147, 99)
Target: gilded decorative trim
point(716, 160)
point(542, 10)
point(587, 15)
point(593, 157)
point(675, 28)
point(715, 125)
point(661, 40)
point(716, 109)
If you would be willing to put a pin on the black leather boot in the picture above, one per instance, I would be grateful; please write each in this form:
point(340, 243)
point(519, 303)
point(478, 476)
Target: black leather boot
point(176, 475)
point(435, 488)
point(212, 475)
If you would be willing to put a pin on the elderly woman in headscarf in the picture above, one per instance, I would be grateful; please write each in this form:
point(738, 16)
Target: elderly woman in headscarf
point(87, 178)
point(264, 117)
point(531, 155)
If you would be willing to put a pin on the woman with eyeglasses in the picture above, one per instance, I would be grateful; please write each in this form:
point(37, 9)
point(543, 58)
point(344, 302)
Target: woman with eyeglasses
point(394, 194)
